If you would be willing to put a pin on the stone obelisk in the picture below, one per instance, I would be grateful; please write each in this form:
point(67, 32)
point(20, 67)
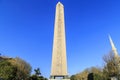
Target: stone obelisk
point(59, 62)
point(114, 50)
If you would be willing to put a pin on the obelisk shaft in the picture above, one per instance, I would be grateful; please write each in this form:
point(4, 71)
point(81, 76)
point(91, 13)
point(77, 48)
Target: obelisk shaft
point(113, 47)
point(59, 63)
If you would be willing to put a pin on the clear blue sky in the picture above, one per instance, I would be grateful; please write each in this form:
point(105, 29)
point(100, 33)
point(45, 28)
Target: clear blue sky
point(26, 30)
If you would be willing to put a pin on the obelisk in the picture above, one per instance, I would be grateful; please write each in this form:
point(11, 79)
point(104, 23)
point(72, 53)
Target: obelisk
point(114, 50)
point(59, 62)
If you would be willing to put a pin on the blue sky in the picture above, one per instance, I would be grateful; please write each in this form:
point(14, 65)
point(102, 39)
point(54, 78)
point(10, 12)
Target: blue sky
point(26, 30)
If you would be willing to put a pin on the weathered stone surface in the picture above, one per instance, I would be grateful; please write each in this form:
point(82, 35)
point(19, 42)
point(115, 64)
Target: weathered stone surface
point(59, 63)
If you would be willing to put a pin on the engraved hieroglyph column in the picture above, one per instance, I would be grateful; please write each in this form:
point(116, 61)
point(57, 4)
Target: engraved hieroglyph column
point(59, 63)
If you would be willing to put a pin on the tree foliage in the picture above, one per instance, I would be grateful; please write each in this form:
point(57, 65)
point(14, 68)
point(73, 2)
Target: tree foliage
point(17, 69)
point(23, 69)
point(7, 70)
point(37, 75)
point(14, 69)
point(73, 77)
point(112, 67)
point(93, 73)
point(37, 72)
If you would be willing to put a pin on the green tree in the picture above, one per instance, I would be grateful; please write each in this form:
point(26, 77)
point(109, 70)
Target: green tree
point(37, 72)
point(111, 67)
point(93, 73)
point(37, 75)
point(14, 69)
point(73, 77)
point(90, 76)
point(7, 70)
point(80, 76)
point(23, 69)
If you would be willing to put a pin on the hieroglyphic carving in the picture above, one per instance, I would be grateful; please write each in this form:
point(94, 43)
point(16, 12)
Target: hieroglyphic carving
point(59, 65)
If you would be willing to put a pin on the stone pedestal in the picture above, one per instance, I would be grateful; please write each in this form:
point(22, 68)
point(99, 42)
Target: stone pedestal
point(59, 79)
point(114, 78)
